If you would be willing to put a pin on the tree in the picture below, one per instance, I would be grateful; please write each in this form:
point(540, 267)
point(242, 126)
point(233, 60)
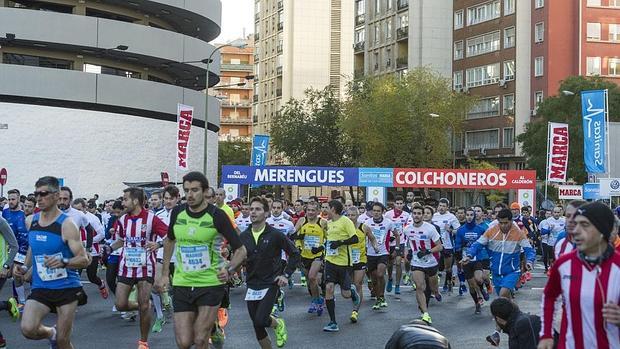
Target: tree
point(566, 109)
point(307, 131)
point(493, 196)
point(390, 119)
point(233, 153)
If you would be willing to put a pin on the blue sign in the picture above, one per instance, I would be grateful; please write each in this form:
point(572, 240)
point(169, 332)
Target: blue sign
point(376, 177)
point(591, 191)
point(593, 110)
point(260, 148)
point(289, 175)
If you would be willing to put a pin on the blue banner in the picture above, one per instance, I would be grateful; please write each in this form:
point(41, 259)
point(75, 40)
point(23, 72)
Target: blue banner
point(591, 191)
point(376, 177)
point(593, 110)
point(290, 175)
point(260, 147)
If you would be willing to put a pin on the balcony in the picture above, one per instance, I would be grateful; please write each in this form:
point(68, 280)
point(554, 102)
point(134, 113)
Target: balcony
point(279, 92)
point(280, 26)
point(280, 48)
point(402, 62)
point(235, 121)
point(358, 47)
point(483, 114)
point(280, 5)
point(279, 70)
point(244, 66)
point(360, 19)
point(257, 17)
point(402, 33)
point(403, 4)
point(243, 103)
point(256, 36)
point(358, 73)
point(256, 57)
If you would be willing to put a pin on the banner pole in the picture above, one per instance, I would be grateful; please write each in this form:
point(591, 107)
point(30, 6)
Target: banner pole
point(547, 161)
point(251, 156)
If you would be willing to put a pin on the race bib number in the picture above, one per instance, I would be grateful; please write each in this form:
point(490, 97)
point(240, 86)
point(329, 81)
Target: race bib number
point(331, 251)
point(195, 258)
point(135, 257)
point(379, 235)
point(20, 258)
point(356, 255)
point(311, 241)
point(49, 274)
point(255, 295)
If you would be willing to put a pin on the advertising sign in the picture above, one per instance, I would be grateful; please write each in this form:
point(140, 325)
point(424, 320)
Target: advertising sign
point(570, 192)
point(260, 148)
point(609, 187)
point(290, 175)
point(592, 191)
point(376, 194)
point(232, 191)
point(464, 179)
point(526, 197)
point(557, 159)
point(593, 110)
point(375, 177)
point(185, 114)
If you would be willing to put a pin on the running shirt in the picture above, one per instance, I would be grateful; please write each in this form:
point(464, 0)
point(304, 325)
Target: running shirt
point(424, 237)
point(382, 232)
point(99, 233)
point(441, 220)
point(81, 222)
point(563, 246)
point(466, 235)
point(199, 238)
point(48, 241)
point(281, 224)
point(8, 243)
point(243, 222)
point(363, 218)
point(399, 220)
point(17, 222)
point(229, 211)
point(136, 231)
point(314, 236)
point(164, 215)
point(358, 250)
point(338, 230)
point(550, 228)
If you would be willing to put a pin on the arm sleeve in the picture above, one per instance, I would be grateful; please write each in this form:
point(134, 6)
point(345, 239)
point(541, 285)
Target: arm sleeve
point(553, 288)
point(9, 237)
point(98, 227)
point(479, 244)
point(159, 227)
point(224, 226)
point(90, 234)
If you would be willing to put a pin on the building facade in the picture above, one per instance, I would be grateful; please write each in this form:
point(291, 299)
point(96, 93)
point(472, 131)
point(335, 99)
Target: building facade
point(90, 92)
point(299, 45)
point(235, 91)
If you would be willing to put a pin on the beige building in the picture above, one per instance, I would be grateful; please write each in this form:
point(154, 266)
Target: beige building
point(299, 45)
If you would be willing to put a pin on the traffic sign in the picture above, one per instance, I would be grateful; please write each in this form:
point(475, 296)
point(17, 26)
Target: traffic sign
point(3, 176)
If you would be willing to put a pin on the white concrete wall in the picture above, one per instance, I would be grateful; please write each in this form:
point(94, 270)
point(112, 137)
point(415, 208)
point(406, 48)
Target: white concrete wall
point(95, 152)
point(430, 35)
point(523, 70)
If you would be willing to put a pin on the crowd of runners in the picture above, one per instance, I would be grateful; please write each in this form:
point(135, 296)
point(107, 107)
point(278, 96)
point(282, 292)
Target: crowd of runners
point(182, 252)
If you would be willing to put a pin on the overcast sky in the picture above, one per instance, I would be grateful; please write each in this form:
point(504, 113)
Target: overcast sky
point(237, 15)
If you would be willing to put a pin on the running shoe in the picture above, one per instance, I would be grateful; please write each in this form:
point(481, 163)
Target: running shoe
point(397, 289)
point(438, 297)
point(331, 327)
point(52, 339)
point(217, 337)
point(478, 308)
point(280, 302)
point(489, 288)
point(303, 281)
point(320, 306)
point(494, 339)
point(13, 309)
point(426, 318)
point(165, 298)
point(355, 297)
point(406, 280)
point(20, 307)
point(383, 303)
point(281, 333)
point(312, 307)
point(377, 305)
point(103, 290)
point(485, 294)
point(143, 345)
point(388, 288)
point(158, 325)
point(353, 317)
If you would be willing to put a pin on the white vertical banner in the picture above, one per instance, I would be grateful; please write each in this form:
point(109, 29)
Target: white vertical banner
point(185, 115)
point(525, 197)
point(232, 191)
point(377, 194)
point(557, 160)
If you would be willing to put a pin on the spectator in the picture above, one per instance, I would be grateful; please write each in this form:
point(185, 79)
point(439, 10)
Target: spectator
point(522, 329)
point(417, 335)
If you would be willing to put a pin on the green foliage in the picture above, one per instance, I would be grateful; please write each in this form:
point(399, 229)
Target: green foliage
point(493, 196)
point(565, 109)
point(233, 153)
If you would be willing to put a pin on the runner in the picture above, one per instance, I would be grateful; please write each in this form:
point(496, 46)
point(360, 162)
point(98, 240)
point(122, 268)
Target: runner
point(486, 272)
point(137, 232)
point(155, 202)
point(17, 221)
point(366, 214)
point(220, 202)
point(423, 242)
point(448, 224)
point(549, 230)
point(112, 258)
point(279, 222)
point(265, 245)
point(196, 234)
point(54, 256)
point(298, 208)
point(381, 228)
point(87, 233)
point(8, 250)
point(340, 236)
point(565, 242)
point(30, 206)
point(243, 221)
point(399, 218)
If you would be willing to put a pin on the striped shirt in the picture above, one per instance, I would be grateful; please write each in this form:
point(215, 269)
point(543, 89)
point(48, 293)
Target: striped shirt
point(564, 245)
point(136, 231)
point(424, 237)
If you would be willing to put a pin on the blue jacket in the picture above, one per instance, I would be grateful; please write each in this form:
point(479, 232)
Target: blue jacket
point(504, 249)
point(466, 235)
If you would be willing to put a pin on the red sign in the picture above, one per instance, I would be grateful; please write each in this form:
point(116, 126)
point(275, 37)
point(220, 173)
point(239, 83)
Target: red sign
point(184, 121)
point(165, 179)
point(557, 161)
point(3, 176)
point(464, 179)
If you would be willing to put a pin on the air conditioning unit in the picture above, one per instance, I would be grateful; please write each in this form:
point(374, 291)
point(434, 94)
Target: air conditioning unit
point(502, 83)
point(534, 112)
point(483, 151)
point(465, 151)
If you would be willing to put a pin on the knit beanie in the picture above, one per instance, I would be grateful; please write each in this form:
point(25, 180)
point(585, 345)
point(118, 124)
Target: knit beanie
point(599, 215)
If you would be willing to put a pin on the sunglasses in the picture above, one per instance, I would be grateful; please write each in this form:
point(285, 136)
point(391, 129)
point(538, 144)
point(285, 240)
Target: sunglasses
point(43, 193)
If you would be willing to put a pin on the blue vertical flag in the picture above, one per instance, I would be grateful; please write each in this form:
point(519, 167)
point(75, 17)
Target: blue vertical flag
point(594, 109)
point(259, 150)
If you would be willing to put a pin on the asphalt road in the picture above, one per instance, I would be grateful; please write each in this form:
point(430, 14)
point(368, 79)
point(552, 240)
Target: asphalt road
point(97, 326)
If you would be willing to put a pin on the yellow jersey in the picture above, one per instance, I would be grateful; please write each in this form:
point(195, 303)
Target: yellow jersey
point(341, 229)
point(314, 236)
point(358, 250)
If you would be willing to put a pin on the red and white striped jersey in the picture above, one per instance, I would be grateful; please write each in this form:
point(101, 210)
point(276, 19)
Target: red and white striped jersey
point(564, 245)
point(584, 289)
point(399, 219)
point(136, 231)
point(424, 237)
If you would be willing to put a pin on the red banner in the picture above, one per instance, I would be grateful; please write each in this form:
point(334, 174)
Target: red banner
point(464, 179)
point(557, 159)
point(185, 114)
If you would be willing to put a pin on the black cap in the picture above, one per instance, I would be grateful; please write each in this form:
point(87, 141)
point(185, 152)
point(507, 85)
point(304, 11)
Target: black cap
point(599, 215)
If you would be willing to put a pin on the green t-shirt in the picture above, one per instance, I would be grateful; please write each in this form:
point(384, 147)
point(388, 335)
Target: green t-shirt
point(341, 229)
point(256, 234)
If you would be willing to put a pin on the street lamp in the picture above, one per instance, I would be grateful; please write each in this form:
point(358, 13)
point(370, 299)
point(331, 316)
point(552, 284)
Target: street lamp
point(568, 93)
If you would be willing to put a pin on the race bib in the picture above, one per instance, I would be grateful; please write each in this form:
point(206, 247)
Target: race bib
point(195, 258)
point(135, 257)
point(255, 295)
point(311, 241)
point(356, 255)
point(49, 274)
point(20, 258)
point(379, 235)
point(330, 251)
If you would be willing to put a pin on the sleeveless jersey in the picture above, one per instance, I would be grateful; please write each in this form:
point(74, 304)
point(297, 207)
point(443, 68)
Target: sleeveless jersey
point(399, 221)
point(358, 250)
point(314, 236)
point(47, 241)
point(382, 232)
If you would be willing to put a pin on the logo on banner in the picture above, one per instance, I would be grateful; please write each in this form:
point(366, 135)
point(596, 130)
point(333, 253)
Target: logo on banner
point(184, 121)
point(557, 163)
point(593, 112)
point(260, 149)
point(464, 179)
point(614, 184)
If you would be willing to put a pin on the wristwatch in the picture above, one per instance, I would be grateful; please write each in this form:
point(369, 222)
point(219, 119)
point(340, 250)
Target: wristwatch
point(160, 244)
point(65, 261)
point(6, 266)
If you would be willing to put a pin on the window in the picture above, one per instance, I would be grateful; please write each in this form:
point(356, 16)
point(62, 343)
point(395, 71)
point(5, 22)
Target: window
point(594, 2)
point(457, 80)
point(593, 66)
point(483, 44)
point(614, 32)
point(458, 49)
point(486, 107)
point(360, 6)
point(377, 33)
point(388, 29)
point(614, 67)
point(487, 139)
point(359, 36)
point(614, 3)
point(594, 31)
point(403, 21)
point(98, 69)
point(538, 98)
point(458, 19)
point(509, 37)
point(539, 68)
point(539, 4)
point(235, 61)
point(376, 56)
point(484, 75)
point(539, 32)
point(509, 70)
point(36, 61)
point(509, 104)
point(509, 137)
point(509, 7)
point(483, 13)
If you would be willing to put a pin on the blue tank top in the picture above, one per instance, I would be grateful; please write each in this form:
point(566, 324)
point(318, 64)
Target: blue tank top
point(47, 241)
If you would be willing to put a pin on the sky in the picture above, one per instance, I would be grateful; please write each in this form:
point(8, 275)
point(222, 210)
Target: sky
point(237, 15)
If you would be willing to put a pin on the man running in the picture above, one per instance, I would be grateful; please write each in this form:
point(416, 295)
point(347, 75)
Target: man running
point(382, 230)
point(244, 221)
point(196, 234)
point(220, 202)
point(137, 232)
point(423, 241)
point(8, 250)
point(399, 218)
point(54, 256)
point(448, 224)
point(17, 221)
point(265, 275)
point(279, 222)
point(30, 205)
point(340, 236)
point(486, 271)
point(549, 230)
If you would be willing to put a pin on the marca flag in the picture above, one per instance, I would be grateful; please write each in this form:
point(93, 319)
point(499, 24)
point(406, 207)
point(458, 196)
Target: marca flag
point(259, 150)
point(557, 161)
point(185, 114)
point(594, 110)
